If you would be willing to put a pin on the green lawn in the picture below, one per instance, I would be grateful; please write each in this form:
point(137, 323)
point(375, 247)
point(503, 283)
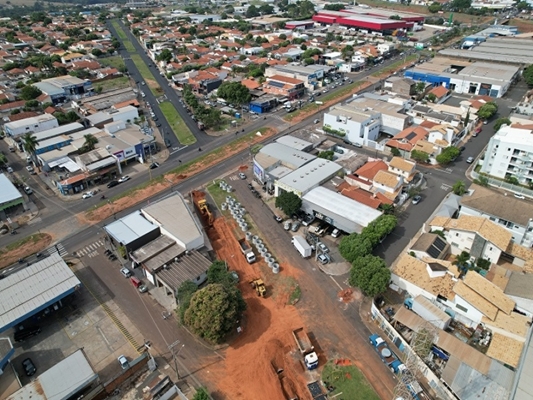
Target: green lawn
point(120, 32)
point(179, 128)
point(114, 62)
point(146, 74)
point(348, 382)
point(111, 84)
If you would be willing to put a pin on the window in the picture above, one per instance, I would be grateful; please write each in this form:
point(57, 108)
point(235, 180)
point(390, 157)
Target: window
point(456, 234)
point(460, 307)
point(490, 248)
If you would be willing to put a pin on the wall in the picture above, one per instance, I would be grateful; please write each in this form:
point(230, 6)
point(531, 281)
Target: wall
point(459, 240)
point(472, 313)
point(136, 366)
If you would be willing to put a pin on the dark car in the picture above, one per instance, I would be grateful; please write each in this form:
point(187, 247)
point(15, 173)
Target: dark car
point(113, 184)
point(29, 367)
point(154, 165)
point(23, 334)
point(158, 124)
point(462, 148)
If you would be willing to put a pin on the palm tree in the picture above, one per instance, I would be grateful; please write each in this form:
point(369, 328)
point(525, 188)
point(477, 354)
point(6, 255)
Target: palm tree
point(90, 141)
point(29, 142)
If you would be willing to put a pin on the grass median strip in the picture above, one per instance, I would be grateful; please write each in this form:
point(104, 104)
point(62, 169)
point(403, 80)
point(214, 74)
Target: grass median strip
point(146, 74)
point(395, 66)
point(176, 123)
point(120, 32)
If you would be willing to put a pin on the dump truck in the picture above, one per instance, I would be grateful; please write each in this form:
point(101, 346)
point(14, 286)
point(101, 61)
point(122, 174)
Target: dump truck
point(302, 246)
point(306, 348)
point(200, 202)
point(246, 249)
point(386, 354)
point(259, 287)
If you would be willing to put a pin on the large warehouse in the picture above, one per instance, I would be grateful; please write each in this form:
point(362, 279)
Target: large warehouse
point(340, 211)
point(10, 196)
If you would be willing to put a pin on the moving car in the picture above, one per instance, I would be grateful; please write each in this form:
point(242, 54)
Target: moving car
point(88, 195)
point(124, 179)
point(242, 176)
point(28, 190)
point(154, 165)
point(123, 361)
point(29, 367)
point(113, 184)
point(30, 169)
point(519, 196)
point(416, 199)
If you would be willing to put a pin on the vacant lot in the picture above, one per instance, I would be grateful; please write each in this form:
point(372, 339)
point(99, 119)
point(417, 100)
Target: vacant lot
point(23, 248)
point(347, 381)
point(112, 84)
point(175, 121)
point(114, 61)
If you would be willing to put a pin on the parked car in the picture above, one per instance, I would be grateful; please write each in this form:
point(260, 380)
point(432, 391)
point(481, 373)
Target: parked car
point(113, 184)
point(126, 272)
point(123, 361)
point(88, 195)
point(324, 258)
point(124, 179)
point(519, 196)
point(154, 165)
point(470, 160)
point(335, 233)
point(29, 367)
point(30, 169)
point(278, 218)
point(295, 226)
point(323, 247)
point(287, 225)
point(417, 199)
point(28, 190)
point(242, 176)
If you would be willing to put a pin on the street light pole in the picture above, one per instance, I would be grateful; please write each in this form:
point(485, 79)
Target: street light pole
point(175, 355)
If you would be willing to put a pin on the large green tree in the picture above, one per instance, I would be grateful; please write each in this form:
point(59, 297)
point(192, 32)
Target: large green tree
point(487, 110)
point(90, 141)
point(214, 311)
point(448, 155)
point(459, 188)
point(185, 292)
point(288, 202)
point(218, 273)
point(30, 92)
point(461, 4)
point(234, 93)
point(420, 156)
point(354, 246)
point(370, 274)
point(501, 121)
point(201, 394)
point(165, 55)
point(30, 143)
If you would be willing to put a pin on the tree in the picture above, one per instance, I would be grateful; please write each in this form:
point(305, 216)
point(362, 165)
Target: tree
point(432, 97)
point(96, 52)
point(370, 274)
point(201, 394)
point(213, 311)
point(448, 155)
point(266, 9)
point(420, 87)
point(29, 143)
point(527, 74)
point(395, 17)
point(90, 141)
point(252, 12)
point(482, 180)
point(185, 292)
point(30, 92)
point(461, 4)
point(434, 8)
point(234, 93)
point(501, 121)
point(3, 159)
point(288, 202)
point(283, 36)
point(487, 110)
point(523, 5)
point(467, 118)
point(165, 55)
point(512, 180)
point(334, 7)
point(462, 259)
point(218, 273)
point(354, 246)
point(420, 156)
point(459, 188)
point(327, 154)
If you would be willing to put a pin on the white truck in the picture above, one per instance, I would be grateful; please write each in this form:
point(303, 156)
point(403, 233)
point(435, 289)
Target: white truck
point(247, 251)
point(302, 246)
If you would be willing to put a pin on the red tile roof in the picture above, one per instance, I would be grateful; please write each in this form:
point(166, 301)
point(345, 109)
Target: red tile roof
point(439, 91)
point(371, 168)
point(22, 115)
point(406, 139)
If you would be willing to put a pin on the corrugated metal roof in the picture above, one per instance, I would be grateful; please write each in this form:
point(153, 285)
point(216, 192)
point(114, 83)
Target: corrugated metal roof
point(9, 192)
point(129, 228)
point(32, 287)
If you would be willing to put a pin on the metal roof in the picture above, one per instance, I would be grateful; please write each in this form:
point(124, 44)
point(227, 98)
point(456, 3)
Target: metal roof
point(34, 287)
point(9, 192)
point(129, 228)
point(287, 155)
point(352, 210)
point(190, 266)
point(60, 130)
point(310, 175)
point(294, 142)
point(60, 381)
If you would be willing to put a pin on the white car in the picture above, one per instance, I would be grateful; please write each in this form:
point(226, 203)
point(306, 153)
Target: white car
point(126, 272)
point(88, 195)
point(30, 169)
point(123, 361)
point(242, 176)
point(28, 190)
point(519, 196)
point(124, 179)
point(323, 247)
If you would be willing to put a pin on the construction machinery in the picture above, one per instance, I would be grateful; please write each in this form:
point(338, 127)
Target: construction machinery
point(200, 202)
point(259, 286)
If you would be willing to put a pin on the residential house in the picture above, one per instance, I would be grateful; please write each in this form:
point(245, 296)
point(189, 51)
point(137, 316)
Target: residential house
point(430, 245)
point(284, 86)
point(69, 58)
point(405, 168)
point(441, 94)
point(388, 184)
point(364, 176)
point(406, 140)
point(358, 126)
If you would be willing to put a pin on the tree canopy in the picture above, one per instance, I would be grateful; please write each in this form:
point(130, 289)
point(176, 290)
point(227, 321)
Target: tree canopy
point(30, 92)
point(218, 273)
point(501, 121)
point(185, 292)
point(370, 274)
point(434, 7)
point(165, 55)
point(487, 110)
point(461, 4)
point(214, 311)
point(448, 155)
point(335, 7)
point(288, 202)
point(459, 188)
point(201, 394)
point(527, 74)
point(234, 93)
point(420, 156)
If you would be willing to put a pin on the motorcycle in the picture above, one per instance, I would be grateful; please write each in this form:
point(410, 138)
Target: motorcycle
point(102, 197)
point(14, 232)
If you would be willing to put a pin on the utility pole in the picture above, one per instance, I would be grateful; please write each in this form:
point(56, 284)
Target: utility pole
point(175, 355)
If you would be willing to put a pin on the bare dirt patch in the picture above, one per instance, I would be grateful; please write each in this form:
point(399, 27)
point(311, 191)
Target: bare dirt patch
point(24, 248)
point(523, 25)
point(259, 361)
point(161, 183)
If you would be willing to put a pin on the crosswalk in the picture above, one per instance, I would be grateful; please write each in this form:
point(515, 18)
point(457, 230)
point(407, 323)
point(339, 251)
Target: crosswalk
point(57, 248)
point(233, 178)
point(91, 250)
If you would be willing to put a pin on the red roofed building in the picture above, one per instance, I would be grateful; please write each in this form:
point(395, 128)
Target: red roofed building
point(284, 86)
point(368, 171)
point(22, 115)
point(251, 84)
point(441, 93)
point(406, 139)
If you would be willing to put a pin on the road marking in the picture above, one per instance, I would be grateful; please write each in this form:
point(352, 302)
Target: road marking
point(233, 178)
point(337, 283)
point(445, 187)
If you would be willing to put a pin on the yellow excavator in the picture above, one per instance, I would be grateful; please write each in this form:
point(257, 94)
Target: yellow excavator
point(259, 287)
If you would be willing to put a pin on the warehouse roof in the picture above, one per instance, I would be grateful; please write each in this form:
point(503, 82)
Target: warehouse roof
point(337, 203)
point(9, 192)
point(189, 267)
point(34, 287)
point(30, 121)
point(130, 227)
point(287, 155)
point(60, 130)
point(310, 175)
point(294, 142)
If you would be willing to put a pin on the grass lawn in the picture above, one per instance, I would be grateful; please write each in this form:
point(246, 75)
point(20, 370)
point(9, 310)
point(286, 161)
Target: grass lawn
point(146, 74)
point(179, 128)
point(348, 381)
point(120, 32)
point(129, 46)
point(117, 83)
point(114, 62)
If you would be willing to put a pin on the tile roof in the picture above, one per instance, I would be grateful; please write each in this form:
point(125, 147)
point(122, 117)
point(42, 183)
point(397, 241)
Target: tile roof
point(476, 300)
point(489, 291)
point(505, 349)
point(487, 229)
point(402, 164)
point(387, 179)
point(370, 169)
point(415, 271)
point(22, 115)
point(407, 138)
point(516, 325)
point(522, 253)
point(428, 124)
point(362, 196)
point(425, 146)
point(439, 91)
point(286, 79)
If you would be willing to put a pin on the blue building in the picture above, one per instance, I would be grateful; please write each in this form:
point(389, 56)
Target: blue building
point(263, 104)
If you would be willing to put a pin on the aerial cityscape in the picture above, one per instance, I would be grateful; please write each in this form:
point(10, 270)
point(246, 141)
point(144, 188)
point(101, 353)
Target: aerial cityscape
point(274, 199)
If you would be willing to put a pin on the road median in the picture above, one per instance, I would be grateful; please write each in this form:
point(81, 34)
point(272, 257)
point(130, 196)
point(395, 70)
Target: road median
point(178, 126)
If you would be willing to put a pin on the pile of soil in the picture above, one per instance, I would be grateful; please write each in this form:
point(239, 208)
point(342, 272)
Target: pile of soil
point(257, 362)
point(346, 295)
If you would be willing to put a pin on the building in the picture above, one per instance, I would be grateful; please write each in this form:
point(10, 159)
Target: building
point(127, 114)
point(478, 78)
point(263, 104)
point(284, 86)
point(430, 245)
point(104, 101)
point(34, 289)
point(337, 210)
point(510, 154)
point(307, 177)
point(132, 231)
point(401, 86)
point(402, 167)
point(9, 196)
point(511, 213)
point(37, 124)
point(62, 88)
point(300, 25)
point(368, 23)
point(309, 76)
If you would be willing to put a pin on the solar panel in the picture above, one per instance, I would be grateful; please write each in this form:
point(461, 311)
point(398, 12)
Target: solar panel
point(439, 243)
point(410, 136)
point(276, 84)
point(433, 252)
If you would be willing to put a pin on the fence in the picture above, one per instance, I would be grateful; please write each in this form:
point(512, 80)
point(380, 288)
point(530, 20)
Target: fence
point(504, 185)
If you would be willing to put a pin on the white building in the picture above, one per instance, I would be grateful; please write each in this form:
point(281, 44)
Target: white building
point(33, 124)
point(356, 126)
point(510, 153)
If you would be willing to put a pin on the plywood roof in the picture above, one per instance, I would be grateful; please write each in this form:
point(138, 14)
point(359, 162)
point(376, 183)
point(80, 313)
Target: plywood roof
point(477, 301)
point(387, 179)
point(492, 232)
point(415, 271)
point(523, 253)
point(489, 291)
point(514, 324)
point(401, 164)
point(439, 220)
point(505, 349)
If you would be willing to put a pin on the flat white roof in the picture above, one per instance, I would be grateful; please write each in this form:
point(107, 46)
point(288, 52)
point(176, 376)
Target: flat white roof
point(129, 228)
point(8, 191)
point(30, 121)
point(60, 130)
point(294, 142)
point(352, 210)
point(60, 381)
point(287, 155)
point(34, 287)
point(311, 174)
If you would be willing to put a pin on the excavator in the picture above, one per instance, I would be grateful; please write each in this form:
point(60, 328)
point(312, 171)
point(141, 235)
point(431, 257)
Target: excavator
point(203, 208)
point(259, 286)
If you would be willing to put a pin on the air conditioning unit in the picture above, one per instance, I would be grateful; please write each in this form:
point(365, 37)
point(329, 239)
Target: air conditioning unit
point(165, 266)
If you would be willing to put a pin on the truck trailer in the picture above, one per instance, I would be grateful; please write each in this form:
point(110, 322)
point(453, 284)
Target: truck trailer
point(306, 348)
point(246, 249)
point(302, 246)
point(386, 354)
